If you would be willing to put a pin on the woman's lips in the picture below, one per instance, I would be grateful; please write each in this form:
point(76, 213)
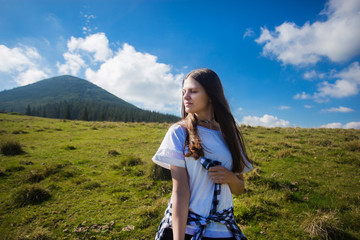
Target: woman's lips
point(187, 104)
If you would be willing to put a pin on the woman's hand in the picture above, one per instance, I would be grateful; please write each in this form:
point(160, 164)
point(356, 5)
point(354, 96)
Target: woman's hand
point(222, 175)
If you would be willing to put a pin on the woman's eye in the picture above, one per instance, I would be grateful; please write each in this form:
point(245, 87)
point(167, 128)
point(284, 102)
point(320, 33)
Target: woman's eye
point(190, 91)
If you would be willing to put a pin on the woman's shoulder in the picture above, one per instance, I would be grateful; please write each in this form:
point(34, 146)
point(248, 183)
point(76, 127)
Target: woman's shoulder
point(177, 129)
point(178, 126)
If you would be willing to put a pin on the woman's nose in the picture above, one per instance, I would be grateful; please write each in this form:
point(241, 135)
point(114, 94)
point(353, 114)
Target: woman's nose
point(186, 95)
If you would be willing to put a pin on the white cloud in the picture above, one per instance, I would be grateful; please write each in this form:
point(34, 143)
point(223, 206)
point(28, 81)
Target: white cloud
point(309, 75)
point(302, 96)
point(97, 43)
point(355, 125)
point(30, 76)
point(339, 89)
point(339, 109)
point(94, 47)
point(336, 38)
point(284, 107)
point(133, 76)
point(346, 85)
point(73, 64)
point(307, 106)
point(138, 78)
point(266, 121)
point(248, 33)
point(332, 125)
point(88, 17)
point(23, 63)
point(16, 59)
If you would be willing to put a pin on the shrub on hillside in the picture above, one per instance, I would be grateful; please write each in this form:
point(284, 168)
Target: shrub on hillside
point(30, 196)
point(19, 132)
point(131, 161)
point(115, 166)
point(11, 148)
point(353, 146)
point(39, 233)
point(68, 173)
point(159, 173)
point(14, 169)
point(50, 170)
point(323, 225)
point(26, 162)
point(92, 185)
point(290, 196)
point(321, 142)
point(54, 168)
point(113, 153)
point(35, 177)
point(69, 147)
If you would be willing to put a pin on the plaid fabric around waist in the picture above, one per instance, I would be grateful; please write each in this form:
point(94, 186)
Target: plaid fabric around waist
point(225, 216)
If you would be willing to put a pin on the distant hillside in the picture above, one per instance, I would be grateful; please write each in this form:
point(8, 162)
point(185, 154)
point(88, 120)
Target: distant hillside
point(74, 98)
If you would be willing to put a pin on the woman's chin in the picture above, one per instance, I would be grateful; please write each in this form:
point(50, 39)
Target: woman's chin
point(187, 110)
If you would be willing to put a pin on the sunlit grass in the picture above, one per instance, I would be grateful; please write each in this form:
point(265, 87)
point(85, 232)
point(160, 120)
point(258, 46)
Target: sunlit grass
point(101, 181)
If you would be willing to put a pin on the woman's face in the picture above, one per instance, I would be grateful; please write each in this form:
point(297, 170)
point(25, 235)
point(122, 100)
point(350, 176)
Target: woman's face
point(195, 98)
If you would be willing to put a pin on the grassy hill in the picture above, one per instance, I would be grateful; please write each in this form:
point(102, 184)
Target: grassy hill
point(55, 90)
point(95, 180)
point(68, 97)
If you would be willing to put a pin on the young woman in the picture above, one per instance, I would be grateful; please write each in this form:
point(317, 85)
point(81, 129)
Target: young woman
point(206, 155)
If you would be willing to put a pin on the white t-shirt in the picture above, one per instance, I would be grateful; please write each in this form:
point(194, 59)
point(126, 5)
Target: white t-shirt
point(170, 152)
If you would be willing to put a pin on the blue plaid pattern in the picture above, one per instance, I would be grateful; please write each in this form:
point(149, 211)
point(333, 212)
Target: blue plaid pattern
point(207, 163)
point(225, 217)
point(165, 222)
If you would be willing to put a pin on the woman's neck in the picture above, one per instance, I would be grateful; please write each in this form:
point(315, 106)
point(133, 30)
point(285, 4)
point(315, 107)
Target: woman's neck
point(205, 116)
point(208, 123)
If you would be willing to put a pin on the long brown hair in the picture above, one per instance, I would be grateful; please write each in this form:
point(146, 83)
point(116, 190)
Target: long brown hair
point(230, 131)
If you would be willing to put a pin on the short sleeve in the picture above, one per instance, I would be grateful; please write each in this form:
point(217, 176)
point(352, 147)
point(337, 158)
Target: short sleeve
point(170, 151)
point(247, 166)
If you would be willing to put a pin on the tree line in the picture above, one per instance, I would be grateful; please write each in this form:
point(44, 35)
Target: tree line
point(92, 111)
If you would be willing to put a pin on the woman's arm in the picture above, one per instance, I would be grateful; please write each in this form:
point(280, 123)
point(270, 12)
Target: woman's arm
point(180, 201)
point(222, 175)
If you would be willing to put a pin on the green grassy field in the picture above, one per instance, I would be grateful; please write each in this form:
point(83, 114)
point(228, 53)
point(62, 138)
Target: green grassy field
point(95, 180)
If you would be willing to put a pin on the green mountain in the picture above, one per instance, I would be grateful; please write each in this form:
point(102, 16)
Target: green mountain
point(70, 97)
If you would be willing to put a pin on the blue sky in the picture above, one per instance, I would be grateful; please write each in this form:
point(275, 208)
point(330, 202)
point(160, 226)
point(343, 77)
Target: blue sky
point(282, 63)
